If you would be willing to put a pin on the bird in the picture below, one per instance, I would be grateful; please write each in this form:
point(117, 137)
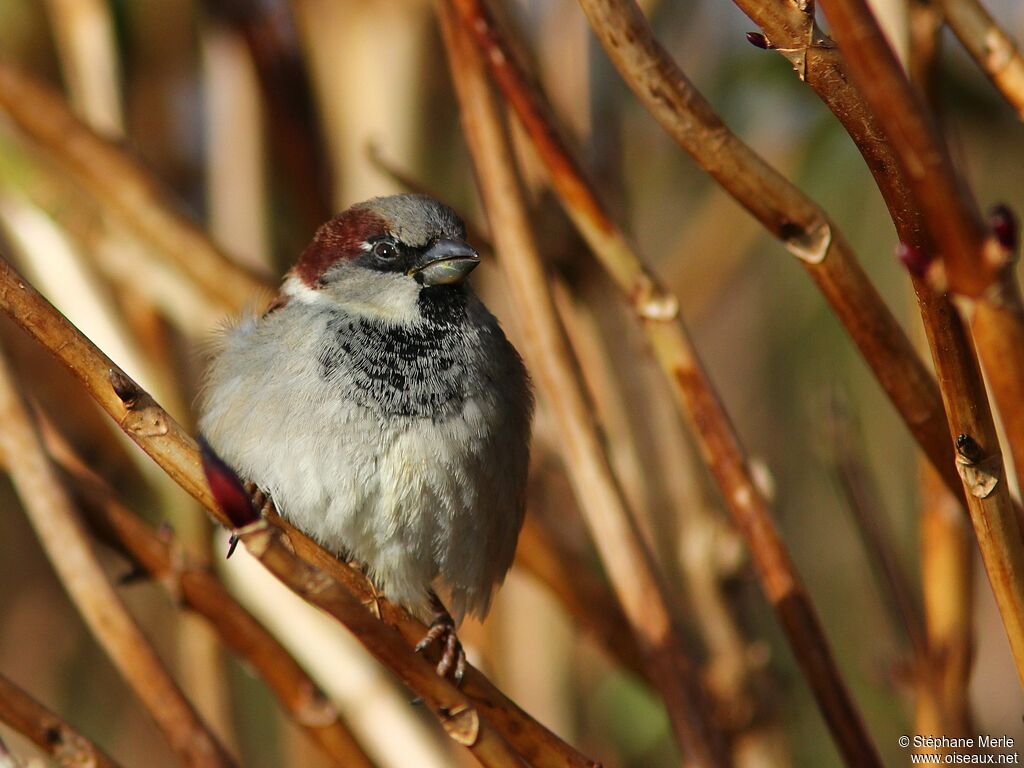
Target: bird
point(381, 407)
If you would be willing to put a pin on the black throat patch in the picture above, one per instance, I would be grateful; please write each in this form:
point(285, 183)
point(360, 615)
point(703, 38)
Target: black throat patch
point(420, 370)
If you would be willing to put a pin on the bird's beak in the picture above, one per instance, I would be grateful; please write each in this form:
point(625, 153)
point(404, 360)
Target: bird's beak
point(445, 262)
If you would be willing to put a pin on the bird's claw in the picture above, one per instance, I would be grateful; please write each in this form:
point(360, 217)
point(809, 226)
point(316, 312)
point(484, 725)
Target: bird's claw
point(453, 657)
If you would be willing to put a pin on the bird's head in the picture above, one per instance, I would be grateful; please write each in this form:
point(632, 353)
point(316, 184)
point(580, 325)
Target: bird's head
point(378, 257)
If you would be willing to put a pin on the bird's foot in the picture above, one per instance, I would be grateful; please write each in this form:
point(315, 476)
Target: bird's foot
point(442, 633)
point(261, 501)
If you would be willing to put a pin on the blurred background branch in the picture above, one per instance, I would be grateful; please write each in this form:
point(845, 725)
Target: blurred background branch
point(161, 164)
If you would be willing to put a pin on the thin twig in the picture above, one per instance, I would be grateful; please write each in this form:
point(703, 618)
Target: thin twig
point(787, 28)
point(800, 224)
point(950, 216)
point(731, 670)
point(976, 265)
point(947, 576)
point(990, 46)
point(65, 542)
point(947, 547)
point(84, 33)
point(41, 726)
point(863, 500)
point(201, 591)
point(674, 351)
point(271, 546)
point(84, 37)
point(126, 189)
point(272, 39)
point(629, 563)
point(163, 439)
point(583, 597)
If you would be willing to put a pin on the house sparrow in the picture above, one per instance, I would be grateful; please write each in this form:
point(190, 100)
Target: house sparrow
point(383, 410)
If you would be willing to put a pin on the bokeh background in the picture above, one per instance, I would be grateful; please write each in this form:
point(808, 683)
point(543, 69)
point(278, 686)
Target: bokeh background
point(175, 80)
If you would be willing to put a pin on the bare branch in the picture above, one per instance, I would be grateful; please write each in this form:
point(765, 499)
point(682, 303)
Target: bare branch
point(34, 721)
point(672, 347)
point(163, 439)
point(124, 187)
point(272, 40)
point(990, 46)
point(201, 591)
point(629, 563)
point(800, 224)
point(67, 547)
point(950, 216)
point(976, 265)
point(863, 500)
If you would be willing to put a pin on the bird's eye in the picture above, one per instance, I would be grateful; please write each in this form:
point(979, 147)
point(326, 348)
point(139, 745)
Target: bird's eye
point(385, 250)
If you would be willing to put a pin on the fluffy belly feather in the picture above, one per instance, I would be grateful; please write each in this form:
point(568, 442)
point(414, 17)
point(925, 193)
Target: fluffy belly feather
point(421, 497)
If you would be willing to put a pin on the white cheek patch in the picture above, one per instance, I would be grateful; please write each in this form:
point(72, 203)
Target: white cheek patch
point(389, 296)
point(295, 288)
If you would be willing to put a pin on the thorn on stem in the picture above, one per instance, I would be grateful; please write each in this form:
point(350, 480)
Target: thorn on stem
point(232, 544)
point(968, 448)
point(125, 389)
point(758, 40)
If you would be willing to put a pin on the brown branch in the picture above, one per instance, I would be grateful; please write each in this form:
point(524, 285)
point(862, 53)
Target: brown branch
point(950, 216)
point(793, 33)
point(563, 571)
point(990, 46)
point(991, 509)
point(732, 671)
point(458, 715)
point(975, 265)
point(628, 561)
point(271, 38)
point(201, 591)
point(924, 211)
point(945, 553)
point(947, 571)
point(124, 187)
point(947, 576)
point(947, 546)
point(67, 547)
point(41, 726)
point(791, 29)
point(800, 224)
point(863, 500)
point(674, 351)
point(163, 439)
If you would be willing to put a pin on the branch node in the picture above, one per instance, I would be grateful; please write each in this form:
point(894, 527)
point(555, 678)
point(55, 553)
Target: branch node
point(127, 391)
point(314, 710)
point(979, 472)
point(759, 40)
point(257, 536)
point(652, 302)
point(143, 417)
point(807, 244)
point(461, 723)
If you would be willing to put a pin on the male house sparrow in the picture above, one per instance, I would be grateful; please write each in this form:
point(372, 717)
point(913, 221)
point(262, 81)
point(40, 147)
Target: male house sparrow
point(381, 407)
